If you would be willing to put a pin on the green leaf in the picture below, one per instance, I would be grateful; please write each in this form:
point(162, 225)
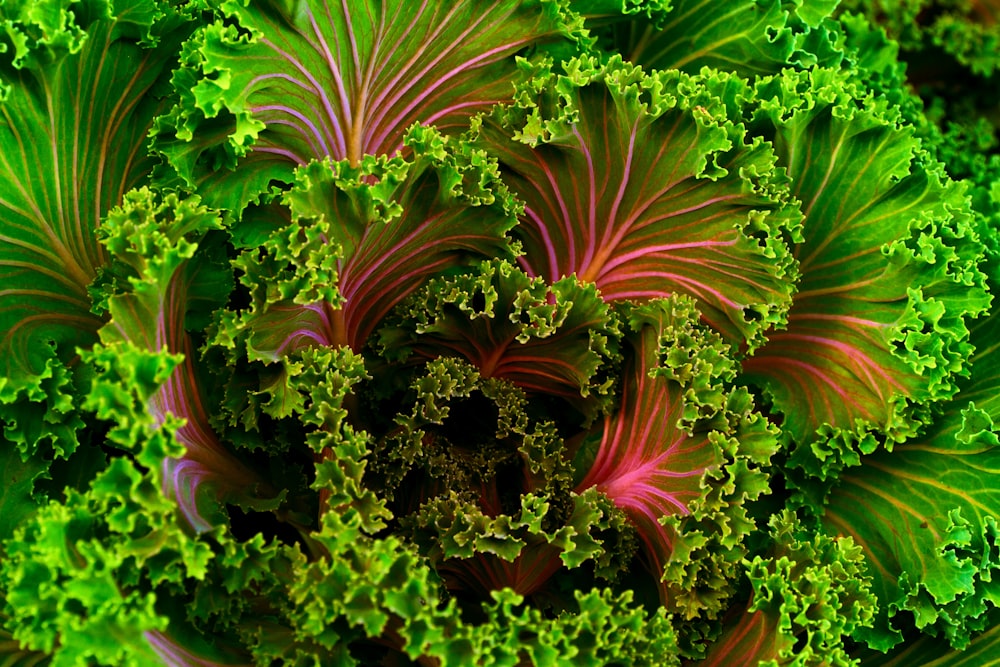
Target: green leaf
point(681, 456)
point(809, 593)
point(13, 653)
point(748, 37)
point(80, 99)
point(161, 284)
point(889, 264)
point(600, 629)
point(277, 85)
point(927, 516)
point(17, 497)
point(363, 238)
point(71, 572)
point(477, 548)
point(642, 185)
point(40, 33)
point(982, 651)
point(557, 340)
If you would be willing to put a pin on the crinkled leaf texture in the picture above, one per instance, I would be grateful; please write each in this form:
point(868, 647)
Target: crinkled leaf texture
point(748, 37)
point(809, 592)
point(83, 570)
point(362, 239)
point(490, 503)
point(477, 548)
point(78, 100)
point(928, 513)
point(276, 85)
point(982, 651)
point(437, 333)
point(680, 447)
point(889, 263)
point(642, 185)
point(363, 588)
point(551, 340)
point(380, 588)
point(158, 283)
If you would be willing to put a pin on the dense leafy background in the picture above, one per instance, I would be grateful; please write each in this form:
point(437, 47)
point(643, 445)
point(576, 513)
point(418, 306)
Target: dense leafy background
point(529, 332)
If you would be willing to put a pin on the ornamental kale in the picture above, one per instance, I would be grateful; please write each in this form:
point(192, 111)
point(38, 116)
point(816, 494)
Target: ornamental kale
point(528, 332)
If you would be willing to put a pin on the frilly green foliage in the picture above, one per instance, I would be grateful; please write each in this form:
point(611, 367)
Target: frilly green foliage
point(59, 180)
point(557, 339)
point(351, 249)
point(87, 565)
point(965, 30)
point(662, 193)
point(527, 332)
point(929, 492)
point(808, 592)
point(749, 37)
point(949, 48)
point(878, 213)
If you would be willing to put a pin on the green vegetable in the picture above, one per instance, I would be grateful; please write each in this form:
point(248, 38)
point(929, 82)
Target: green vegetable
point(529, 332)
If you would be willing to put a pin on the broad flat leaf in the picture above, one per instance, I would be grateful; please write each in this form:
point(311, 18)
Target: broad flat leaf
point(298, 81)
point(889, 272)
point(644, 190)
point(748, 36)
point(73, 127)
point(928, 513)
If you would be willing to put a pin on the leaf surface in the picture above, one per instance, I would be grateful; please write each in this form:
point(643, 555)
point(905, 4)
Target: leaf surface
point(80, 97)
point(634, 185)
point(928, 513)
point(889, 266)
point(320, 79)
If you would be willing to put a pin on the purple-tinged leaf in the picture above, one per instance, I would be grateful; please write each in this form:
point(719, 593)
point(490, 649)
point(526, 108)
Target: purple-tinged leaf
point(338, 80)
point(549, 340)
point(646, 189)
point(208, 471)
point(187, 651)
point(645, 464)
point(889, 272)
point(927, 514)
point(364, 238)
point(669, 454)
point(153, 245)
